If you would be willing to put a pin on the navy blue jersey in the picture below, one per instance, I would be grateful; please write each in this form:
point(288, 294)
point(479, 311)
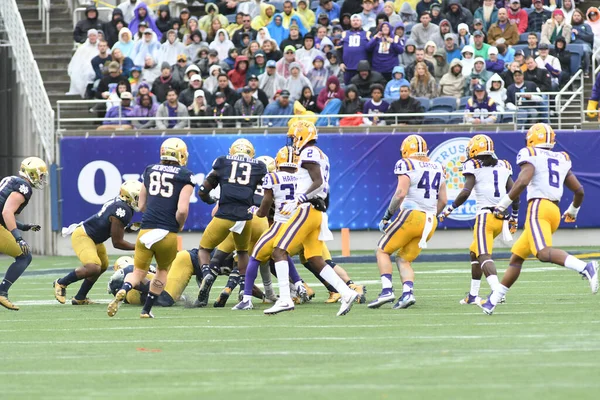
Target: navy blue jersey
point(195, 261)
point(12, 184)
point(163, 185)
point(238, 177)
point(97, 227)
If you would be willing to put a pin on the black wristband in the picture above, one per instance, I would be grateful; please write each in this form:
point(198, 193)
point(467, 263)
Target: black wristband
point(388, 215)
point(17, 234)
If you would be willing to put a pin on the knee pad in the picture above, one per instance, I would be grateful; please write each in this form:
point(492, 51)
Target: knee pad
point(165, 300)
point(331, 263)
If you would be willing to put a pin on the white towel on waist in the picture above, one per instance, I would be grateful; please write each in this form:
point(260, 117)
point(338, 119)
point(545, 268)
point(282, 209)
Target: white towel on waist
point(238, 227)
point(70, 229)
point(325, 234)
point(153, 236)
point(506, 235)
point(429, 218)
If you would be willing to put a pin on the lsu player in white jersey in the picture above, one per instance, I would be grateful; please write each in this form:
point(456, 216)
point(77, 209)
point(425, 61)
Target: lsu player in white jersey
point(491, 179)
point(420, 196)
point(307, 227)
point(545, 174)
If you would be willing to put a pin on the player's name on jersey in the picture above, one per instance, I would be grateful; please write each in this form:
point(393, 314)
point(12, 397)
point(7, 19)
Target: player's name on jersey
point(241, 158)
point(166, 168)
point(424, 164)
point(288, 178)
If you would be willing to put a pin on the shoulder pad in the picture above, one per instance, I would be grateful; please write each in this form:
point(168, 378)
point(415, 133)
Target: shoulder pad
point(564, 153)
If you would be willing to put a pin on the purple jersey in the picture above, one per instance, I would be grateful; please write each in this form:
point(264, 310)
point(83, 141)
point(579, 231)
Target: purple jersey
point(372, 108)
point(354, 45)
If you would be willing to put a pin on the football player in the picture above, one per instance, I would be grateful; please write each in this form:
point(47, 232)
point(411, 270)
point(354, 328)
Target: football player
point(544, 173)
point(307, 226)
point(421, 182)
point(88, 242)
point(491, 179)
point(164, 200)
point(238, 174)
point(123, 267)
point(15, 193)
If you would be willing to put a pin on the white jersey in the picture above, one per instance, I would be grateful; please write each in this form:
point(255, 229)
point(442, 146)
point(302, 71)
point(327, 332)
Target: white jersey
point(284, 186)
point(426, 177)
point(490, 182)
point(313, 155)
point(551, 168)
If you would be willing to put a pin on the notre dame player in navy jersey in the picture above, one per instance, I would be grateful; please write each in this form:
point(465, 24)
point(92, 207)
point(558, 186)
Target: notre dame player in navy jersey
point(88, 242)
point(165, 202)
point(238, 174)
point(15, 193)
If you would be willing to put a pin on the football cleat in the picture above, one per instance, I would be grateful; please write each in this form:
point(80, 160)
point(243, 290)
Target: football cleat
point(83, 302)
point(302, 294)
point(146, 314)
point(222, 298)
point(309, 291)
point(60, 292)
point(386, 296)
point(6, 303)
point(204, 292)
point(472, 300)
point(280, 306)
point(334, 297)
point(487, 307)
point(406, 300)
point(361, 290)
point(591, 273)
point(113, 306)
point(347, 303)
point(243, 305)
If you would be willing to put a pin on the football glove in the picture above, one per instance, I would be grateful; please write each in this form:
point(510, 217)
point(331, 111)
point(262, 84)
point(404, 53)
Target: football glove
point(24, 246)
point(383, 225)
point(444, 214)
point(571, 214)
point(135, 227)
point(513, 221)
point(33, 227)
point(289, 208)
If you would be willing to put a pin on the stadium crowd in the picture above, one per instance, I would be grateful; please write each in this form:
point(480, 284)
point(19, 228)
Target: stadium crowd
point(360, 58)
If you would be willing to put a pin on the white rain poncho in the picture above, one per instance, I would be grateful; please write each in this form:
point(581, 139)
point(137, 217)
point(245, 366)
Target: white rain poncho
point(80, 68)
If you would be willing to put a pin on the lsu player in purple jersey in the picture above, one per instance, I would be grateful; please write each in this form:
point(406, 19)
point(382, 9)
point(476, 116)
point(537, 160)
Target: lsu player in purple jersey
point(15, 193)
point(544, 173)
point(307, 226)
point(421, 196)
point(491, 179)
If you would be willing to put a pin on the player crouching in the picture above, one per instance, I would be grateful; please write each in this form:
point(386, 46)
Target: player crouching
point(421, 182)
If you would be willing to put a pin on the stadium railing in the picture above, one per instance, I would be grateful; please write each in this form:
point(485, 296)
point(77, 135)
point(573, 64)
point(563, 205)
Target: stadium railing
point(44, 15)
point(595, 64)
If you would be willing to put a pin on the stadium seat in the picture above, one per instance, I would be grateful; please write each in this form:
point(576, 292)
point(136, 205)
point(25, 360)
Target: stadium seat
point(231, 18)
point(576, 61)
point(523, 37)
point(435, 120)
point(444, 103)
point(518, 47)
point(314, 5)
point(463, 102)
point(389, 100)
point(425, 102)
point(457, 117)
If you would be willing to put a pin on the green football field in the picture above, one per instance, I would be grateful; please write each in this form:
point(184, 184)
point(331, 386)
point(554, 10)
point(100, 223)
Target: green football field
point(542, 344)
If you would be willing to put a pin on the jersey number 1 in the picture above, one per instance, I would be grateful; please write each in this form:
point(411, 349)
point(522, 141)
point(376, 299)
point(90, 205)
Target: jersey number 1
point(245, 169)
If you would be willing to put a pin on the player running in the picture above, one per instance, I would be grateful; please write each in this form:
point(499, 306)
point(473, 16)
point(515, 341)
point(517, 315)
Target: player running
point(238, 174)
point(15, 193)
point(88, 240)
point(164, 200)
point(421, 182)
point(491, 179)
point(544, 173)
point(307, 227)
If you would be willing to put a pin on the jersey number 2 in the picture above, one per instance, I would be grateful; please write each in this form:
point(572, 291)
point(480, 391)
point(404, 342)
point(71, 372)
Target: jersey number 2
point(425, 184)
point(160, 184)
point(244, 168)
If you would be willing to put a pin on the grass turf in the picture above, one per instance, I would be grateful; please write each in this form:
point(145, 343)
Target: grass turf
point(541, 344)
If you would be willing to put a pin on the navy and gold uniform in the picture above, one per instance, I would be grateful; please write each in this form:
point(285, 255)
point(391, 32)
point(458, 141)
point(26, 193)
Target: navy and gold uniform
point(134, 296)
point(184, 266)
point(8, 186)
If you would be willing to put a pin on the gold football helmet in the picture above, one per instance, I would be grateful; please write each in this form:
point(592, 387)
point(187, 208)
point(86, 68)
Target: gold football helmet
point(285, 158)
point(35, 170)
point(122, 262)
point(268, 161)
point(303, 132)
point(130, 193)
point(174, 149)
point(541, 135)
point(414, 146)
point(480, 145)
point(242, 147)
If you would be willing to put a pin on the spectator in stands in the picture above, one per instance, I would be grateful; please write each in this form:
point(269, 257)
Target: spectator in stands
point(480, 107)
point(134, 79)
point(406, 104)
point(479, 46)
point(220, 109)
point(211, 13)
point(423, 84)
point(149, 45)
point(267, 11)
point(445, 28)
point(283, 65)
point(497, 92)
point(563, 55)
point(556, 27)
point(237, 75)
point(550, 64)
point(306, 13)
point(408, 56)
point(453, 82)
point(171, 48)
point(318, 74)
point(198, 44)
point(480, 72)
point(503, 29)
point(568, 7)
point(270, 82)
point(198, 108)
point(146, 108)
point(351, 7)
point(423, 6)
point(191, 27)
point(365, 78)
point(331, 91)
point(101, 61)
point(259, 65)
point(425, 31)
point(184, 17)
point(139, 34)
point(80, 68)
point(124, 111)
point(419, 57)
point(125, 63)
point(375, 106)
point(141, 14)
point(306, 54)
point(226, 87)
point(186, 97)
point(290, 16)
point(251, 50)
point(352, 103)
point(91, 21)
point(113, 27)
point(385, 49)
point(151, 70)
point(493, 63)
point(211, 82)
point(539, 76)
point(272, 53)
point(532, 45)
point(436, 13)
point(467, 60)
point(529, 101)
point(518, 16)
point(222, 44)
point(582, 33)
point(538, 16)
point(451, 49)
point(178, 70)
point(505, 53)
point(507, 76)
point(407, 13)
point(276, 30)
point(332, 9)
point(143, 89)
point(128, 7)
point(294, 38)
point(164, 21)
point(296, 81)
point(353, 48)
point(247, 107)
point(125, 43)
point(393, 18)
point(281, 106)
point(368, 16)
point(162, 84)
point(392, 89)
point(257, 93)
point(211, 60)
point(246, 29)
point(440, 64)
point(169, 109)
point(464, 36)
point(458, 14)
point(487, 13)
